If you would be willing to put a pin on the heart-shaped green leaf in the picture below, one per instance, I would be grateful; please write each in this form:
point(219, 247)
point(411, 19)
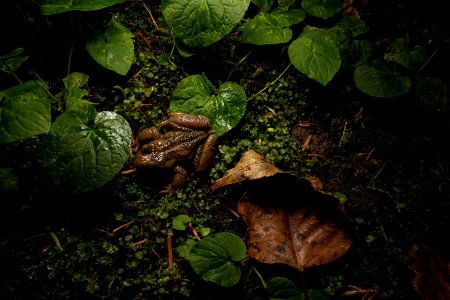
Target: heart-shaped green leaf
point(382, 78)
point(113, 48)
point(200, 23)
point(52, 7)
point(24, 112)
point(323, 9)
point(83, 154)
point(224, 109)
point(214, 258)
point(315, 55)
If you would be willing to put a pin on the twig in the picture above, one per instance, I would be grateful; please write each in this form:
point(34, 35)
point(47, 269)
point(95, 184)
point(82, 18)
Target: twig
point(169, 251)
point(271, 83)
point(151, 16)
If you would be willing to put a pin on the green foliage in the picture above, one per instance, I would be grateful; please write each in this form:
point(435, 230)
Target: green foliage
point(323, 9)
point(25, 112)
point(11, 62)
point(113, 48)
point(85, 150)
point(84, 153)
point(180, 222)
point(224, 108)
point(277, 288)
point(214, 258)
point(315, 56)
point(381, 78)
point(271, 28)
point(202, 23)
point(52, 7)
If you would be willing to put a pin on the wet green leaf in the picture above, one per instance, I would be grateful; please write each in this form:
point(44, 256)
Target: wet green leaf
point(202, 23)
point(84, 153)
point(382, 79)
point(24, 112)
point(315, 56)
point(11, 62)
point(224, 109)
point(323, 9)
point(180, 221)
point(113, 48)
point(271, 28)
point(52, 7)
point(214, 258)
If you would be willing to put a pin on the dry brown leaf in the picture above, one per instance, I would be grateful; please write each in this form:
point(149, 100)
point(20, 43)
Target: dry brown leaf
point(289, 221)
point(431, 267)
point(251, 166)
point(299, 236)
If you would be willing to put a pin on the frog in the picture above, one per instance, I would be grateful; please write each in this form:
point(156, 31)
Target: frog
point(189, 138)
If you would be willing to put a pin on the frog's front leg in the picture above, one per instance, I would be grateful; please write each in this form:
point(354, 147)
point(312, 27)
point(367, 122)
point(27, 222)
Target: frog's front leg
point(186, 122)
point(177, 182)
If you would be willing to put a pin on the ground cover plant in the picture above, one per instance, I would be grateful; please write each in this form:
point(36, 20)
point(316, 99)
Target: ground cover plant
point(330, 175)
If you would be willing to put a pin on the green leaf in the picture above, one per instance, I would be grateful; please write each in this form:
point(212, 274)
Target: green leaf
point(316, 295)
point(200, 23)
point(11, 62)
point(359, 53)
point(82, 154)
point(283, 288)
point(180, 221)
point(74, 94)
point(214, 258)
point(52, 7)
point(323, 9)
point(264, 5)
point(113, 48)
point(224, 110)
point(355, 25)
point(270, 28)
point(315, 56)
point(9, 182)
point(185, 249)
point(24, 112)
point(382, 79)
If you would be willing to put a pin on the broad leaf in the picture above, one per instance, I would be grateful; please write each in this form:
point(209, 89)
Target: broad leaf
point(52, 7)
point(83, 154)
point(271, 28)
point(113, 48)
point(73, 94)
point(264, 5)
point(214, 258)
point(180, 221)
point(323, 9)
point(200, 23)
point(11, 62)
point(24, 112)
point(382, 79)
point(283, 288)
point(315, 56)
point(225, 109)
point(289, 222)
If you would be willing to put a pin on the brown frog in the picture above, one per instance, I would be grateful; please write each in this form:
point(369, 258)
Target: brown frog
point(190, 139)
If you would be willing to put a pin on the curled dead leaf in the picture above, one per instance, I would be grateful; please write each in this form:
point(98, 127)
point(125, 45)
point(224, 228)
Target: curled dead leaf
point(251, 166)
point(289, 220)
point(301, 236)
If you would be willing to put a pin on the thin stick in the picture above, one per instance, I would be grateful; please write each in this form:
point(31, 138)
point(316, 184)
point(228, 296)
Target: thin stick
point(151, 16)
point(169, 250)
point(271, 83)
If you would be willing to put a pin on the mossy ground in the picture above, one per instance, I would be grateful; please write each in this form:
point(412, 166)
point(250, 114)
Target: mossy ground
point(388, 157)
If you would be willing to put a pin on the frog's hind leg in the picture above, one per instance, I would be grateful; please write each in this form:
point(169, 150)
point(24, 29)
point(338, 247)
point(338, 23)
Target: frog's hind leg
point(177, 182)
